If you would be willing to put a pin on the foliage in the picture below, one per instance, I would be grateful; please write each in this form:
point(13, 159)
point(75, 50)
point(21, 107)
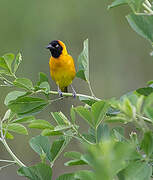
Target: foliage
point(109, 151)
point(141, 17)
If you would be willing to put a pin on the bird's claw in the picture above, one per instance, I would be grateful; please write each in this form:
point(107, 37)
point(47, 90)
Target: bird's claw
point(73, 92)
point(60, 92)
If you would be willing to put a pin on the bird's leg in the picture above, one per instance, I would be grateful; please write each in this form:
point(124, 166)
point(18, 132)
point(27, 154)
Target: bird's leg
point(59, 92)
point(73, 91)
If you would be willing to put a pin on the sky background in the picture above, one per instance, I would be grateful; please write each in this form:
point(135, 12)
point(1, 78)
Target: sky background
point(119, 58)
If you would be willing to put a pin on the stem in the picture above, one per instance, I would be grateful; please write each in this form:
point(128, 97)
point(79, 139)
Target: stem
point(9, 82)
point(96, 135)
point(8, 161)
point(17, 161)
point(141, 123)
point(90, 89)
point(146, 119)
point(7, 165)
point(80, 135)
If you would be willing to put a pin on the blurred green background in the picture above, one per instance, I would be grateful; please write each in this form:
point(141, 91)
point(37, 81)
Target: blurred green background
point(119, 58)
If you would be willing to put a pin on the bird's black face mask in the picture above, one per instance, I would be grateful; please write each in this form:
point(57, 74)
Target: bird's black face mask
point(55, 48)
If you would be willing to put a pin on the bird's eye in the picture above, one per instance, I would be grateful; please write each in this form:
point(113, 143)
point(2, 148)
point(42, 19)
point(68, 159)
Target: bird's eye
point(57, 45)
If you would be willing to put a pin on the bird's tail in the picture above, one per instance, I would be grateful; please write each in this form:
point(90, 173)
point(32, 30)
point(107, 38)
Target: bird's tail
point(65, 89)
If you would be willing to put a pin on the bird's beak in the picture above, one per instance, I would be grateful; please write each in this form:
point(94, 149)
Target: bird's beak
point(49, 47)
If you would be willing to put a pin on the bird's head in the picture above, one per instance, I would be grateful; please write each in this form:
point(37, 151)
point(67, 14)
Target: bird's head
point(56, 48)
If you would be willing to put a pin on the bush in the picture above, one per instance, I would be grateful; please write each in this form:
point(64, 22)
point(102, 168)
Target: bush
point(109, 153)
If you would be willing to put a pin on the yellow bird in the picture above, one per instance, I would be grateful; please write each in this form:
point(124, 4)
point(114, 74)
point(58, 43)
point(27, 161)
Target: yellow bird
point(62, 68)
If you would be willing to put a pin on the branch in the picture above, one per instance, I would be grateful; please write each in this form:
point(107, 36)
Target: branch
point(71, 95)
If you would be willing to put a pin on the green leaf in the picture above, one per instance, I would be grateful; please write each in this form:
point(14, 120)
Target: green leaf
point(17, 128)
point(108, 158)
point(80, 74)
point(147, 143)
point(85, 175)
point(145, 91)
point(13, 96)
point(62, 127)
point(40, 171)
point(128, 108)
point(26, 119)
point(88, 101)
point(99, 132)
point(69, 176)
point(135, 5)
point(41, 144)
point(142, 25)
point(42, 78)
point(99, 110)
point(3, 64)
point(49, 132)
point(85, 114)
point(134, 138)
point(58, 146)
point(45, 86)
point(148, 106)
point(91, 136)
point(117, 119)
point(75, 162)
point(27, 105)
point(103, 133)
point(9, 135)
point(79, 175)
point(83, 63)
point(95, 136)
point(17, 62)
point(118, 133)
point(150, 83)
point(7, 115)
point(117, 3)
point(60, 118)
point(40, 124)
point(149, 112)
point(136, 171)
point(23, 83)
point(8, 60)
point(5, 71)
point(73, 155)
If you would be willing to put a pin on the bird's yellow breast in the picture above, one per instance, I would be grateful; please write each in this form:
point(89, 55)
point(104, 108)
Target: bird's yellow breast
point(62, 70)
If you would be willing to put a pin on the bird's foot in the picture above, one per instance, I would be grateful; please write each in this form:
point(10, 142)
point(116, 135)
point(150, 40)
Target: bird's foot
point(60, 92)
point(73, 92)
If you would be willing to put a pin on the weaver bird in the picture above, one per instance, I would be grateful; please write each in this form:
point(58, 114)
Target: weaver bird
point(62, 68)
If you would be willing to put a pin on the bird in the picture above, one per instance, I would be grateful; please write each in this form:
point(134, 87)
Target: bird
point(62, 68)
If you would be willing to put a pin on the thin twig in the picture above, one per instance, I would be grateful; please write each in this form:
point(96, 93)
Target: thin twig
point(8, 161)
point(54, 100)
point(4, 79)
point(80, 135)
point(91, 89)
point(145, 118)
point(7, 165)
point(12, 154)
